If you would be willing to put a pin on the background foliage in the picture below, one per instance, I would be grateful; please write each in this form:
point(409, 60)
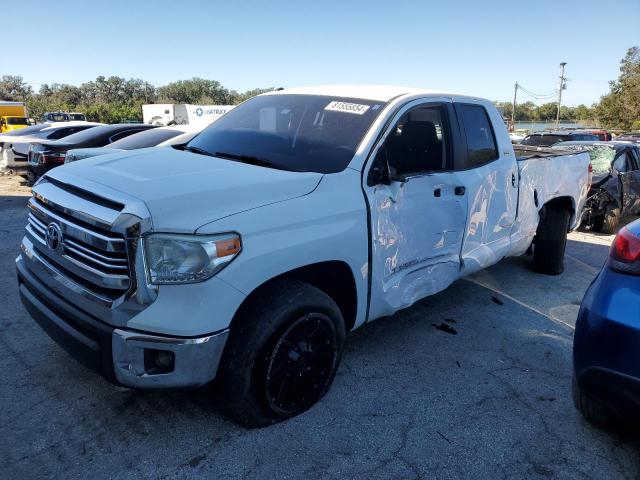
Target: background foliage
point(116, 99)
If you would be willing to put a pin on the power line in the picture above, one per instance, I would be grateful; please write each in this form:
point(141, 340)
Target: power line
point(538, 96)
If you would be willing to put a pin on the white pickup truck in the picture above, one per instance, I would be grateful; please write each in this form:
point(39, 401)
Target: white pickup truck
point(247, 254)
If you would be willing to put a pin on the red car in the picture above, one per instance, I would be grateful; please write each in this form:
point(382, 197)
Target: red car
point(602, 135)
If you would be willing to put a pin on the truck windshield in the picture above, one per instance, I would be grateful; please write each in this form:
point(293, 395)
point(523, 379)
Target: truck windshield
point(77, 117)
point(293, 132)
point(17, 121)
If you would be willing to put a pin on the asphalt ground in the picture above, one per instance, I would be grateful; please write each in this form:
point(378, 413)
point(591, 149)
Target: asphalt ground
point(411, 399)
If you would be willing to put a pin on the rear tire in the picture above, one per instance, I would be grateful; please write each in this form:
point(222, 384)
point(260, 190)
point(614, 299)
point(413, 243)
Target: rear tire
point(590, 409)
point(282, 354)
point(611, 220)
point(550, 241)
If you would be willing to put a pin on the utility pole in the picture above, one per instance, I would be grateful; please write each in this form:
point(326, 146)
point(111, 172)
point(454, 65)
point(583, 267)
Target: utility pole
point(561, 86)
point(513, 108)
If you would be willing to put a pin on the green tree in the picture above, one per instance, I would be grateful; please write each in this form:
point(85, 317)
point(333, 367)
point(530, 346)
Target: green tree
point(195, 91)
point(546, 112)
point(620, 108)
point(14, 88)
point(582, 112)
point(116, 99)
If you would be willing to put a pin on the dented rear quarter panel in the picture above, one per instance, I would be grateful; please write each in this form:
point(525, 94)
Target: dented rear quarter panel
point(543, 179)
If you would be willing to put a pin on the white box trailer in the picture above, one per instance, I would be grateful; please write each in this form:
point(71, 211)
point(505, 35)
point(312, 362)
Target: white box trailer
point(182, 114)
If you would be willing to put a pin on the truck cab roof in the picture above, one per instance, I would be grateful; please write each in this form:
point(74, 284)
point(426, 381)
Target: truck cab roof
point(381, 93)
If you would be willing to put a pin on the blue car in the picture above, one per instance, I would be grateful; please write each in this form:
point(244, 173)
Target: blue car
point(606, 346)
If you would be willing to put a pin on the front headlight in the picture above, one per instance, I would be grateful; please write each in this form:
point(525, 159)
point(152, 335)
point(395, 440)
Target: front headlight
point(188, 258)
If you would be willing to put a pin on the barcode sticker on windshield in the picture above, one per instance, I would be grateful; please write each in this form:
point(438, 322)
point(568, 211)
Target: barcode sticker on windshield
point(347, 107)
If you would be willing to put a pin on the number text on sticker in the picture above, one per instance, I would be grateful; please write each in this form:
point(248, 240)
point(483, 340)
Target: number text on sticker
point(347, 107)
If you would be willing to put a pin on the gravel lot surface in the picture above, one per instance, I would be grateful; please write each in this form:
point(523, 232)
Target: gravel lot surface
point(410, 400)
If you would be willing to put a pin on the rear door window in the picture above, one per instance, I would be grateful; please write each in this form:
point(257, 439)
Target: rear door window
point(481, 142)
point(633, 160)
point(620, 163)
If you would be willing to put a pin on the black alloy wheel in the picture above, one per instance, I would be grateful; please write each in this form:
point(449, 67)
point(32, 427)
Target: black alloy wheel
point(300, 366)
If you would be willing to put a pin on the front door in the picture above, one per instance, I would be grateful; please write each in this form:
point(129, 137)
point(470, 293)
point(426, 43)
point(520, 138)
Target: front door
point(418, 215)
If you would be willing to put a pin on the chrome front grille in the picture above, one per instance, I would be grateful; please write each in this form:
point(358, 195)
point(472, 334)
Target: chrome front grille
point(96, 264)
point(89, 254)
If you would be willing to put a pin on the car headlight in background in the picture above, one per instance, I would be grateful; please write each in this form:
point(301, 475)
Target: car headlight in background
point(175, 259)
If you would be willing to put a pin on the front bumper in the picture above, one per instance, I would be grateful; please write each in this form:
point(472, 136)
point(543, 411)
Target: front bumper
point(606, 348)
point(122, 356)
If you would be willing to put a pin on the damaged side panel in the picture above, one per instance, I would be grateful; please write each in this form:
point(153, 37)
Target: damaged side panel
point(416, 240)
point(543, 179)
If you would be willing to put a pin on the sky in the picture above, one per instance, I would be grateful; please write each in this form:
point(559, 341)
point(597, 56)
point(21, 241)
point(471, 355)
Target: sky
point(459, 46)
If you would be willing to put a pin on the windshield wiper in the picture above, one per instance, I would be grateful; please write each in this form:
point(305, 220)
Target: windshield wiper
point(250, 159)
point(198, 150)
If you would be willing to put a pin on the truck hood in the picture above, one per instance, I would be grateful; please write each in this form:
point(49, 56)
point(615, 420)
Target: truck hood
point(184, 190)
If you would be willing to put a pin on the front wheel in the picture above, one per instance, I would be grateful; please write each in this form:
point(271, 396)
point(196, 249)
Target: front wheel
point(283, 352)
point(611, 220)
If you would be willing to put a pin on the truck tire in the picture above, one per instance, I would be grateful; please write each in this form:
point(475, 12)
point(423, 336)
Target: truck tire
point(550, 241)
point(282, 354)
point(588, 407)
point(611, 220)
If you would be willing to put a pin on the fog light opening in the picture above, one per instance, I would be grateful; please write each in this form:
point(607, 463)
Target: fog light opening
point(158, 361)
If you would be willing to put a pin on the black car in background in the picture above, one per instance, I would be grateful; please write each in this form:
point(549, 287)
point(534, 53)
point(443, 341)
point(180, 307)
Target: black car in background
point(548, 138)
point(615, 186)
point(45, 155)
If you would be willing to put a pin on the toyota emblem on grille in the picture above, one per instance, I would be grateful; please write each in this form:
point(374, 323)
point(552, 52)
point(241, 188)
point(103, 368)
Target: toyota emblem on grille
point(53, 236)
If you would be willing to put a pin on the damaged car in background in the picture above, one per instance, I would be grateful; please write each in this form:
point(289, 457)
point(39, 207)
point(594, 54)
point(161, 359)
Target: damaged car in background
point(615, 186)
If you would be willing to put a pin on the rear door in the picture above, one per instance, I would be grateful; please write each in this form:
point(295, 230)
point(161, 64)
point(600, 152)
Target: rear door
point(489, 173)
point(417, 218)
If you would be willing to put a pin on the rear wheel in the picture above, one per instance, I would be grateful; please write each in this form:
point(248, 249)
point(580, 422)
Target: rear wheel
point(283, 353)
point(550, 241)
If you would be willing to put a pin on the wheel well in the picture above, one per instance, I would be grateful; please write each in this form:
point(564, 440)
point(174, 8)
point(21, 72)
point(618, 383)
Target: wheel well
point(334, 278)
point(565, 203)
point(561, 202)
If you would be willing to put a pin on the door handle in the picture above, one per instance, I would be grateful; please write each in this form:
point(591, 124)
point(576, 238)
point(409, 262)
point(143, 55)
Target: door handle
point(459, 190)
point(437, 192)
point(513, 179)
